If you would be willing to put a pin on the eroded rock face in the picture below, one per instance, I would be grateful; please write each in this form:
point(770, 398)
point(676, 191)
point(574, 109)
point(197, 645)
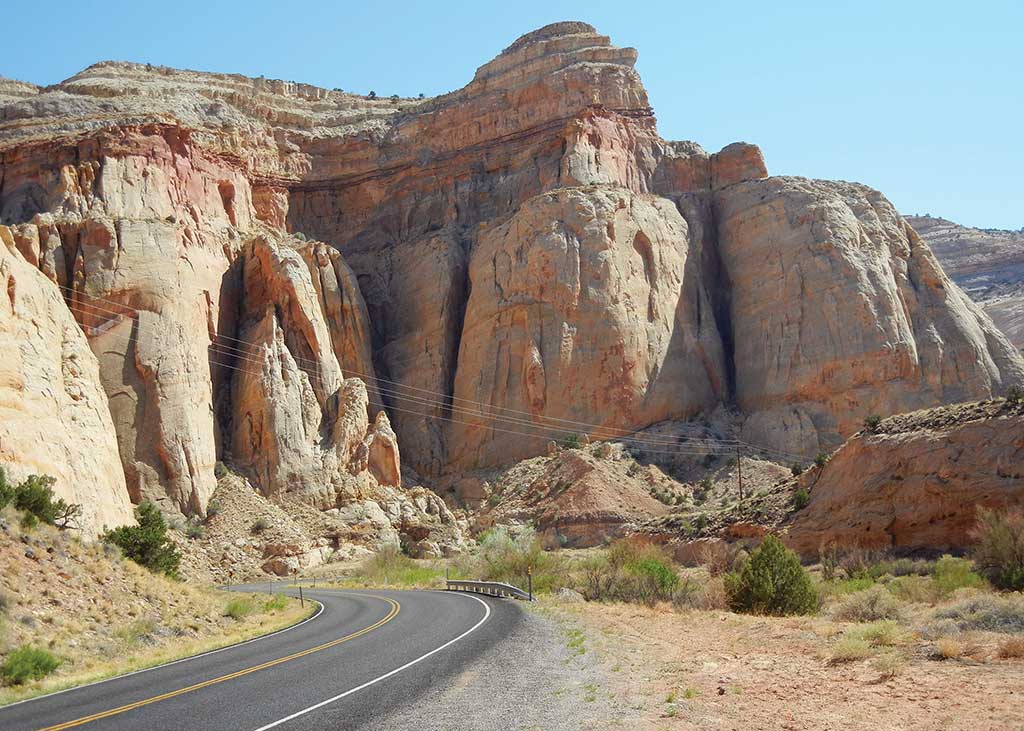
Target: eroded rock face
point(917, 483)
point(587, 305)
point(53, 412)
point(527, 243)
point(839, 310)
point(987, 263)
point(298, 424)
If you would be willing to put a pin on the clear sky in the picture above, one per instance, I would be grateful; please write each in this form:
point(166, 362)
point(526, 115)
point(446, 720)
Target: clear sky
point(923, 100)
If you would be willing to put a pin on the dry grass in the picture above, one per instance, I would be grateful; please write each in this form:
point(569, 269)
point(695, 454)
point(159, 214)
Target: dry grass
point(1011, 648)
point(102, 616)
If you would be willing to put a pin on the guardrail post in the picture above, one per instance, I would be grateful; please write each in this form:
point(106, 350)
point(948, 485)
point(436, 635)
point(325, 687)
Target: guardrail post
point(302, 601)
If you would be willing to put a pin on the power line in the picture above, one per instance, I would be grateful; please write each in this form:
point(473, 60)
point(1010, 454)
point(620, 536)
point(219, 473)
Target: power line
point(446, 402)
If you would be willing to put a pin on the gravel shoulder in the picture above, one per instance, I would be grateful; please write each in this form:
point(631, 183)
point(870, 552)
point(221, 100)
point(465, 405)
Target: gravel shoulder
point(542, 676)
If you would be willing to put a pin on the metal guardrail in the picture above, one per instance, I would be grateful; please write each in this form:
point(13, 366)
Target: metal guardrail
point(490, 588)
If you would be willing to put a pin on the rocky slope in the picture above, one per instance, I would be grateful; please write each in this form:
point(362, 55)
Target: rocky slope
point(916, 481)
point(272, 275)
point(987, 263)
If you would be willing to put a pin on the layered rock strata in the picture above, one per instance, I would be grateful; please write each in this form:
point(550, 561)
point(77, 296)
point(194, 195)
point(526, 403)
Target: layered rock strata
point(495, 268)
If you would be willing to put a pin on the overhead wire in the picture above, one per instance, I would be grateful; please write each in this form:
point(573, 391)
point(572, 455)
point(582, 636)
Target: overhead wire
point(684, 445)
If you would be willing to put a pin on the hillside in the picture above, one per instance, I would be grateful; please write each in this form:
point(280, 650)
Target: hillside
point(987, 263)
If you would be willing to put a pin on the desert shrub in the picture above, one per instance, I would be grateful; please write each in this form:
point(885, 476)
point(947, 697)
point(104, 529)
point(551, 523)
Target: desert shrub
point(34, 497)
point(917, 589)
point(239, 608)
point(950, 574)
point(220, 470)
point(631, 571)
point(986, 613)
point(389, 566)
point(999, 549)
point(505, 557)
point(901, 567)
point(719, 557)
point(572, 441)
point(260, 525)
point(195, 531)
point(872, 422)
point(949, 648)
point(772, 582)
point(654, 580)
point(801, 498)
point(27, 663)
point(1011, 647)
point(856, 563)
point(850, 649)
point(147, 543)
point(820, 459)
point(886, 633)
point(869, 606)
point(709, 595)
point(797, 469)
point(1014, 395)
point(213, 509)
point(889, 664)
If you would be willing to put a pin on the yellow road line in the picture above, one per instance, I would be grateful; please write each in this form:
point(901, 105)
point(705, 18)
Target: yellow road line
point(395, 609)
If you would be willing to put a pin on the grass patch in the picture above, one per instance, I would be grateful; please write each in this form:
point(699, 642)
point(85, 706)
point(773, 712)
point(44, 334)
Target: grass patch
point(576, 643)
point(239, 608)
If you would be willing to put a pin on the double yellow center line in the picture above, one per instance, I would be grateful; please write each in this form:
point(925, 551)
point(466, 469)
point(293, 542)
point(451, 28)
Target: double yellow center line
point(395, 609)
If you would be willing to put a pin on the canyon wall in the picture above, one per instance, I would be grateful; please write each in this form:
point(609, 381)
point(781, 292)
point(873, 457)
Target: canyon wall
point(275, 275)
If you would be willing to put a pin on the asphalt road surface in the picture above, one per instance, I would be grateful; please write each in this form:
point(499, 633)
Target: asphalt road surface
point(364, 655)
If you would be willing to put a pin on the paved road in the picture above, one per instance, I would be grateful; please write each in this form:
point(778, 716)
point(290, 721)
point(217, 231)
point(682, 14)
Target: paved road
point(365, 654)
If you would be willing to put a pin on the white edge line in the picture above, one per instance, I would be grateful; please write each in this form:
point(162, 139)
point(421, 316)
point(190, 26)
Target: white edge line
point(385, 676)
point(168, 664)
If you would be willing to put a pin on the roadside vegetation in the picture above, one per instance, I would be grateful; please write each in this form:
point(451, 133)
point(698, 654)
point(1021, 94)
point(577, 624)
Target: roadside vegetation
point(867, 607)
point(73, 611)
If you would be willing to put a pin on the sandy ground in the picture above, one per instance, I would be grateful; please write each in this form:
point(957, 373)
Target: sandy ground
point(717, 670)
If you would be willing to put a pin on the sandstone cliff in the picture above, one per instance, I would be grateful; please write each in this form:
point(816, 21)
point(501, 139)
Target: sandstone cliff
point(493, 268)
point(916, 481)
point(53, 412)
point(987, 263)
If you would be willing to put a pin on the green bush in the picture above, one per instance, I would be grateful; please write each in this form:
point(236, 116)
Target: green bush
point(220, 470)
point(572, 441)
point(631, 571)
point(999, 551)
point(213, 509)
point(797, 469)
point(872, 422)
point(772, 582)
point(260, 525)
point(952, 573)
point(27, 663)
point(147, 543)
point(35, 498)
point(195, 531)
point(821, 459)
point(801, 498)
point(1014, 395)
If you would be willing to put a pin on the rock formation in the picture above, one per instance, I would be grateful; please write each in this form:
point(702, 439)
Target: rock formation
point(987, 263)
point(54, 418)
point(916, 481)
point(262, 267)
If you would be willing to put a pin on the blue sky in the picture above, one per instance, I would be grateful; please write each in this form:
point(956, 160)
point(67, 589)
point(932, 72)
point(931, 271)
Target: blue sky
point(923, 100)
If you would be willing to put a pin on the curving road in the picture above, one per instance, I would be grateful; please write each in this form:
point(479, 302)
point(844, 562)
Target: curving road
point(365, 654)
